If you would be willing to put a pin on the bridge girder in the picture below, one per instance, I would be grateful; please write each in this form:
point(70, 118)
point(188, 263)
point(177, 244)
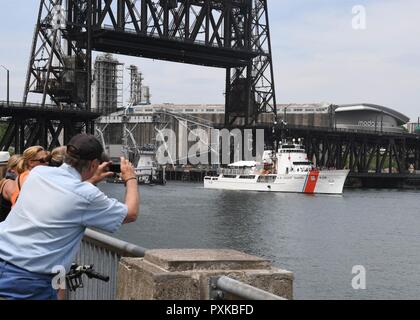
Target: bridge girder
point(47, 126)
point(363, 153)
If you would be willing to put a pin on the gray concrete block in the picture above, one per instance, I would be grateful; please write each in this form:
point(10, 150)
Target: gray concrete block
point(185, 274)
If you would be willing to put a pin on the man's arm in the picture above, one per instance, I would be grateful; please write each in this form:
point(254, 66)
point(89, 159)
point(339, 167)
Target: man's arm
point(132, 197)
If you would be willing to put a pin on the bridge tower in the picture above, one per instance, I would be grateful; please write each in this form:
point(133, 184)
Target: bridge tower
point(250, 88)
point(230, 34)
point(58, 67)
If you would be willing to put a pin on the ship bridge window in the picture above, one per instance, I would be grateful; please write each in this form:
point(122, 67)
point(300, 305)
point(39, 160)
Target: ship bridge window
point(303, 163)
point(229, 176)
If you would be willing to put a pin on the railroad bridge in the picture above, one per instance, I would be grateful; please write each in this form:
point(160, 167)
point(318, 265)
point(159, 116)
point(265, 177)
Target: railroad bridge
point(229, 34)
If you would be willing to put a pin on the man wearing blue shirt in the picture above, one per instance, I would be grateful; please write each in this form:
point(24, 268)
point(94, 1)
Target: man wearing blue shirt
point(55, 206)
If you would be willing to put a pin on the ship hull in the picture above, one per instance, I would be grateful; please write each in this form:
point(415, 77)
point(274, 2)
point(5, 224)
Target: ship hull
point(316, 182)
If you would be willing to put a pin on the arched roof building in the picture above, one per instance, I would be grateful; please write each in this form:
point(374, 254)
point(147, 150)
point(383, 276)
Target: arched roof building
point(368, 116)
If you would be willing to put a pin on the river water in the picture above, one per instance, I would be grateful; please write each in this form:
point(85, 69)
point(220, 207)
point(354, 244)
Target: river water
point(319, 238)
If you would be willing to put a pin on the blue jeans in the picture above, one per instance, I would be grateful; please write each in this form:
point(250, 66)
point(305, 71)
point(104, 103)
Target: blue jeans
point(19, 284)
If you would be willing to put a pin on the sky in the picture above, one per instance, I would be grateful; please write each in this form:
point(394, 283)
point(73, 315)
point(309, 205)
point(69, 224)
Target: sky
point(317, 55)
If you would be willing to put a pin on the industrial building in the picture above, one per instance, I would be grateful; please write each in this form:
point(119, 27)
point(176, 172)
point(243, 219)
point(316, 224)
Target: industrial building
point(369, 117)
point(139, 94)
point(311, 115)
point(107, 88)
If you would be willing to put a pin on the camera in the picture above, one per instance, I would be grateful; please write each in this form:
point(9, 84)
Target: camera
point(115, 167)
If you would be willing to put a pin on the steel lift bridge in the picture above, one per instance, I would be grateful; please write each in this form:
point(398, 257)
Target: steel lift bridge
point(229, 34)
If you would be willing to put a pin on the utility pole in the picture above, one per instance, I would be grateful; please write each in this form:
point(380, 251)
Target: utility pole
point(8, 84)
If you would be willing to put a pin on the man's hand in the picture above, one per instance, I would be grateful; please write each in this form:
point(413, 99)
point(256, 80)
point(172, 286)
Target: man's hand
point(101, 173)
point(127, 170)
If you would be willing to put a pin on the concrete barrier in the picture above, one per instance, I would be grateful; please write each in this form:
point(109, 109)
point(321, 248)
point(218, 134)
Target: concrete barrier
point(185, 274)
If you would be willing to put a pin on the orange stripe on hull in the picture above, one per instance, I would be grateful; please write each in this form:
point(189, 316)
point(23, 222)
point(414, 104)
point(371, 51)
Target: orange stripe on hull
point(311, 182)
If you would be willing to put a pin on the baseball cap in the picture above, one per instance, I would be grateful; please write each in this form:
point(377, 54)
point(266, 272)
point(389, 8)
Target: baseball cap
point(86, 147)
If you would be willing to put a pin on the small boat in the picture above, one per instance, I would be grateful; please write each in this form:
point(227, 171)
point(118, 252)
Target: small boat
point(287, 170)
point(147, 170)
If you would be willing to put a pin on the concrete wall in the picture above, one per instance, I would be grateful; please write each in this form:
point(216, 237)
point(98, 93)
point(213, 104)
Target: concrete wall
point(185, 274)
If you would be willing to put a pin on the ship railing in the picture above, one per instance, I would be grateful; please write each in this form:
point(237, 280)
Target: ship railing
point(105, 252)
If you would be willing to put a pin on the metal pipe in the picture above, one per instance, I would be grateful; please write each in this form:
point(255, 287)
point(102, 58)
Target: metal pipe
point(119, 245)
point(243, 290)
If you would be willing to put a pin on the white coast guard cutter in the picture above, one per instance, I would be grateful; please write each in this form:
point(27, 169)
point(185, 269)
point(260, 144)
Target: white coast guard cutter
point(289, 170)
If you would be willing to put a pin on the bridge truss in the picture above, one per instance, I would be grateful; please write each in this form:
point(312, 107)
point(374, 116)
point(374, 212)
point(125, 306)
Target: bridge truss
point(229, 34)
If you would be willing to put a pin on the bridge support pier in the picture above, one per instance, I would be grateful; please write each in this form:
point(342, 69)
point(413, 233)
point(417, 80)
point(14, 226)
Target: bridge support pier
point(186, 274)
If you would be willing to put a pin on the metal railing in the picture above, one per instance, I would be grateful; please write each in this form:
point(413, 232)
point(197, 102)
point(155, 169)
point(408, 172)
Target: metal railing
point(104, 252)
point(221, 285)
